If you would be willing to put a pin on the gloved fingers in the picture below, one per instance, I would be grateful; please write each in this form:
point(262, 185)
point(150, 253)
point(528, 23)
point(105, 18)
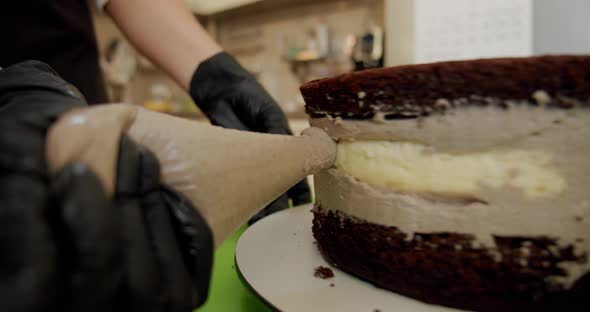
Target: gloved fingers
point(232, 98)
point(181, 239)
point(300, 193)
point(90, 250)
point(177, 292)
point(214, 78)
point(256, 108)
point(28, 256)
point(273, 120)
point(281, 203)
point(142, 280)
point(195, 239)
point(222, 115)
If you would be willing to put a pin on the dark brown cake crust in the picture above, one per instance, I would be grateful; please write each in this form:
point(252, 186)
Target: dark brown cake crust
point(417, 90)
point(445, 269)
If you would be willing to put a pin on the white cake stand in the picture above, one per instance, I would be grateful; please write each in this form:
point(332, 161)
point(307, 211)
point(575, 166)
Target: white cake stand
point(276, 258)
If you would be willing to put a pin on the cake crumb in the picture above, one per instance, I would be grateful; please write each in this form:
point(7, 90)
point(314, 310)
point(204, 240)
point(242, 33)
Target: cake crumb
point(442, 104)
point(541, 97)
point(323, 272)
point(331, 284)
point(379, 117)
point(376, 310)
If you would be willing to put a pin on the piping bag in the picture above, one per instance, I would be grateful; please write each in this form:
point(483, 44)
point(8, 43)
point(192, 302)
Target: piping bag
point(227, 174)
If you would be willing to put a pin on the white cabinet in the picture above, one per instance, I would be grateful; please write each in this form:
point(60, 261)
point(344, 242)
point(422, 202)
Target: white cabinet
point(421, 31)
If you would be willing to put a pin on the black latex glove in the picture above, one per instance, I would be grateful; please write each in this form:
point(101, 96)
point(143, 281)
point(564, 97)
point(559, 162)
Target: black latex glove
point(63, 245)
point(232, 98)
point(169, 247)
point(28, 251)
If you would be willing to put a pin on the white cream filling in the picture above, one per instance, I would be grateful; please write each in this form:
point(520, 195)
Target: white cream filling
point(411, 167)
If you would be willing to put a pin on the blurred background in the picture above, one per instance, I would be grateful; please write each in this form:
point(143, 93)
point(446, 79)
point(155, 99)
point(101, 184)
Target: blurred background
point(285, 43)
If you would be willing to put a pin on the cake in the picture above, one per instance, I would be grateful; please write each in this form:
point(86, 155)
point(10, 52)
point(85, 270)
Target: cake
point(464, 184)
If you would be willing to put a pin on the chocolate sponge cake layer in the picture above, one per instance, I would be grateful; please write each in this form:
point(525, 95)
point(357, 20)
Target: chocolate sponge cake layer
point(445, 268)
point(462, 184)
point(417, 90)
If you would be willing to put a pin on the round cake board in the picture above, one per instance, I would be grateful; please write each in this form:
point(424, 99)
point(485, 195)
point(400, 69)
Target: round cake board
point(277, 257)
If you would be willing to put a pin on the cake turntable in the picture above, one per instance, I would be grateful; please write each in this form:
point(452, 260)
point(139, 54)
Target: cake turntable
point(277, 256)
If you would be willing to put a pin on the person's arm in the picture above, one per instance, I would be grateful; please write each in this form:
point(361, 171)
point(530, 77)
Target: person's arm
point(170, 36)
point(167, 33)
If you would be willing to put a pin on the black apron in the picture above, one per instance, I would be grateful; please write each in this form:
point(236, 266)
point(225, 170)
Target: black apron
point(59, 33)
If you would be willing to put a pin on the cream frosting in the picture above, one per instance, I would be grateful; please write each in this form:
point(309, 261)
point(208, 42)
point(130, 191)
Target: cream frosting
point(463, 130)
point(563, 134)
point(411, 167)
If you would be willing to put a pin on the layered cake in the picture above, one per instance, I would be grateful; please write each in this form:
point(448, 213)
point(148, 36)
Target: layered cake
point(465, 184)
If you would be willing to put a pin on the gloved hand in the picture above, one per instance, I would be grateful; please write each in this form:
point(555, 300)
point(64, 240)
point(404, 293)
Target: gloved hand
point(64, 245)
point(232, 98)
point(147, 250)
point(28, 252)
point(167, 246)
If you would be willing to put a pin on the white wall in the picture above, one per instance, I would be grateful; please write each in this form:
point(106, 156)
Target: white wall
point(468, 29)
point(561, 26)
point(421, 31)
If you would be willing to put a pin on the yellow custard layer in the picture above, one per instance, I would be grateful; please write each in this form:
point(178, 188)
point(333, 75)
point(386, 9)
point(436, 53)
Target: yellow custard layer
point(410, 167)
